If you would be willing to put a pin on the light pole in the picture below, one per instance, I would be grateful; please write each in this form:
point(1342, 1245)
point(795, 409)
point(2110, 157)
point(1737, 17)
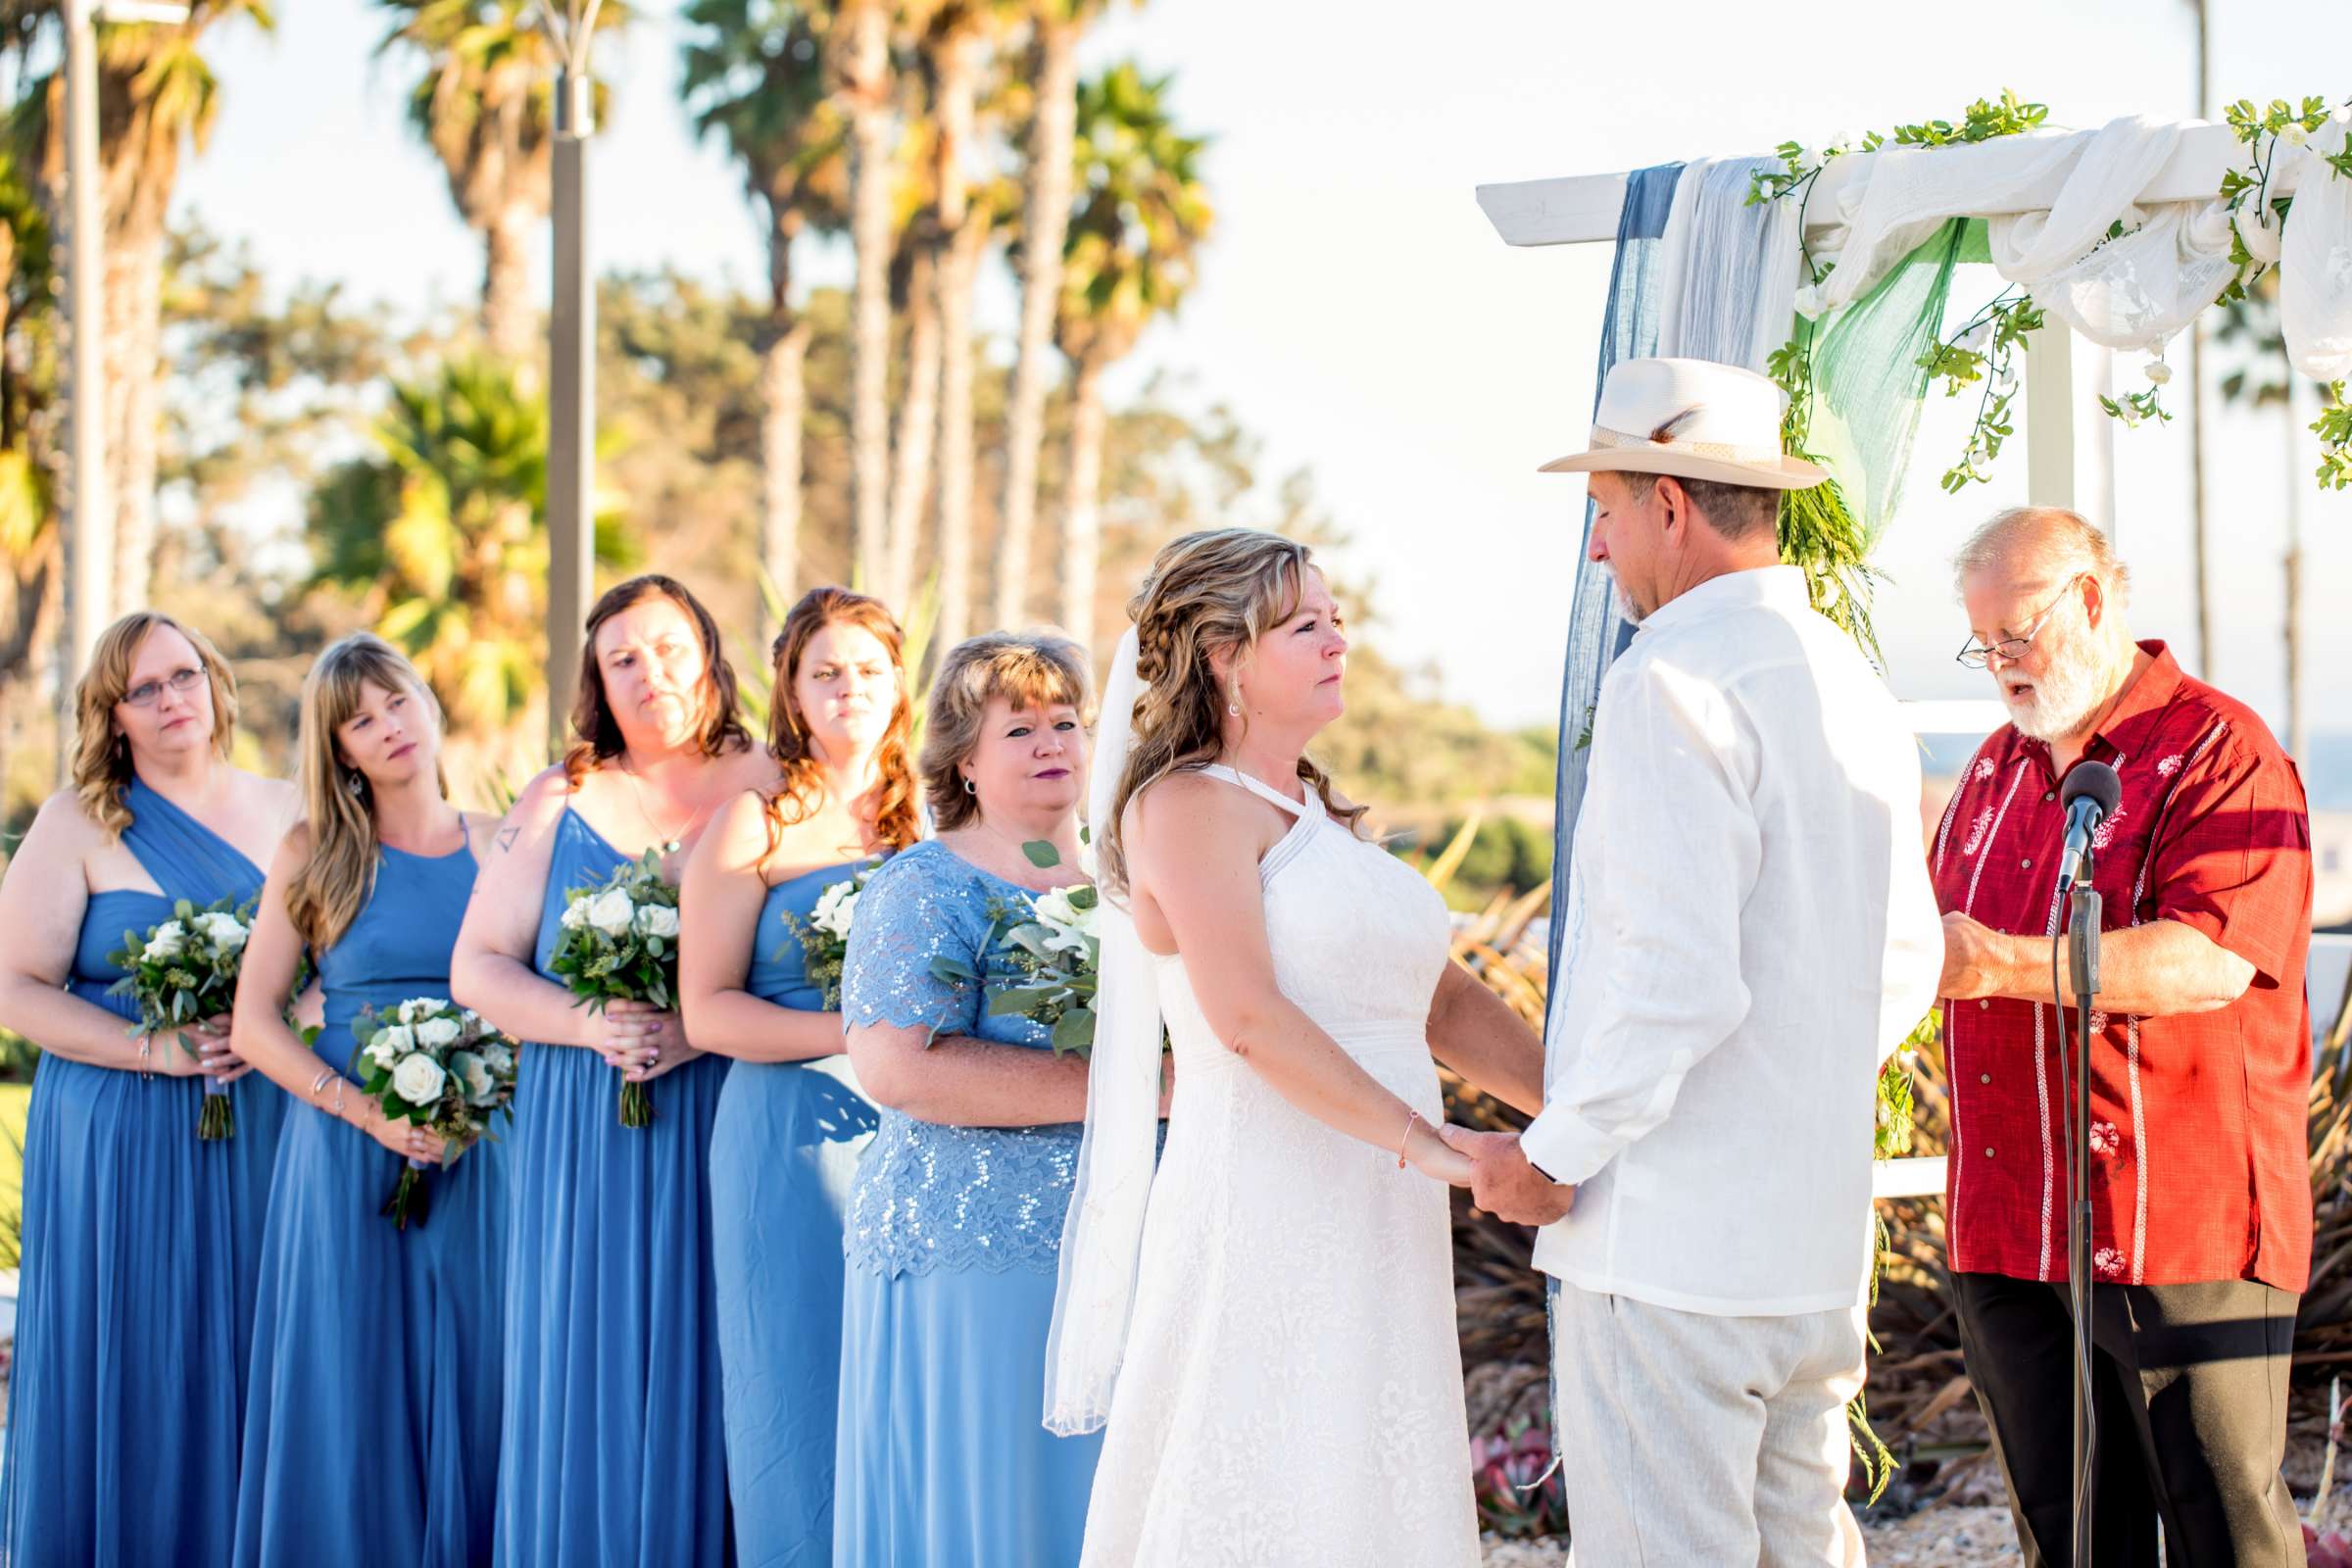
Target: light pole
point(571, 364)
point(89, 512)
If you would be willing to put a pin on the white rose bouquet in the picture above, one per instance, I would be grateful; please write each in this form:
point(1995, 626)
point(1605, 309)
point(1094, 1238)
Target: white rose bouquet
point(181, 972)
point(824, 937)
point(429, 1060)
point(619, 943)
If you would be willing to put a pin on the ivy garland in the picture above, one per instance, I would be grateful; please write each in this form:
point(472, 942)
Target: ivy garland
point(1982, 353)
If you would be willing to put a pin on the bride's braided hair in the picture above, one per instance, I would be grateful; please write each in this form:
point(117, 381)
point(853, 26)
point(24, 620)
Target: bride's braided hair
point(1205, 593)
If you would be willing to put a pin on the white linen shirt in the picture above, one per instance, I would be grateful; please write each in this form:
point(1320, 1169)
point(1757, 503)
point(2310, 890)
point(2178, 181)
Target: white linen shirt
point(1750, 933)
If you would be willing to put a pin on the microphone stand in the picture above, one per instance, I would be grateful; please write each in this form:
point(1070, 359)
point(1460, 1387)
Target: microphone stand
point(2083, 949)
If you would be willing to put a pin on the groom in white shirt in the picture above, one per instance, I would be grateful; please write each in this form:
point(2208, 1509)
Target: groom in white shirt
point(1750, 931)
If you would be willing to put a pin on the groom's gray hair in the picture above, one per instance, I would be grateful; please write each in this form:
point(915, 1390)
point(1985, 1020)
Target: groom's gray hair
point(1734, 511)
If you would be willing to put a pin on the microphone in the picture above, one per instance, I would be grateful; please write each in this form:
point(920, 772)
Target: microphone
point(2090, 794)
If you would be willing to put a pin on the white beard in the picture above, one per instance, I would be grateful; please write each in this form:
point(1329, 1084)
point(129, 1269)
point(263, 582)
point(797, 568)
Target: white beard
point(1627, 611)
point(2063, 697)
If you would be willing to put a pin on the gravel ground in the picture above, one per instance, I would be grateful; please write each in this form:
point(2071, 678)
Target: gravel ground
point(1936, 1538)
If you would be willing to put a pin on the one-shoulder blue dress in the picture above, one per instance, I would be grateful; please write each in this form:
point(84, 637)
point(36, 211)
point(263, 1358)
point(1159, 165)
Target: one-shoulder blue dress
point(783, 1154)
point(372, 1423)
point(612, 1448)
point(140, 1250)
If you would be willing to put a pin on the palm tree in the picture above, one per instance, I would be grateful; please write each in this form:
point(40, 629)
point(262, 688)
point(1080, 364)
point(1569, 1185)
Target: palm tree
point(914, 295)
point(955, 49)
point(1140, 216)
point(156, 93)
point(2266, 378)
point(861, 31)
point(1055, 27)
point(486, 106)
point(443, 533)
point(755, 78)
point(32, 590)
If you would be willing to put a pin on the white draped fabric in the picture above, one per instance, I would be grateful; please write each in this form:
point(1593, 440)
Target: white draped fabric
point(2131, 292)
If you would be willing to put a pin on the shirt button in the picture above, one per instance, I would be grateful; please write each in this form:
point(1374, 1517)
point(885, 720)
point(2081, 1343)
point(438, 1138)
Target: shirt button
point(1989, 1154)
point(2025, 865)
point(2049, 795)
point(1983, 1001)
point(1983, 1077)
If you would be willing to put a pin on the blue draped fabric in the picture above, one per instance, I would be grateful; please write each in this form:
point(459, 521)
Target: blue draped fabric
point(1596, 633)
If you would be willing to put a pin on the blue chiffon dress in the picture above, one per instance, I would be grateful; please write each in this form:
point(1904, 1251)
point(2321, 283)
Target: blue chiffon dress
point(140, 1249)
point(611, 1448)
point(371, 1424)
point(783, 1155)
point(955, 1236)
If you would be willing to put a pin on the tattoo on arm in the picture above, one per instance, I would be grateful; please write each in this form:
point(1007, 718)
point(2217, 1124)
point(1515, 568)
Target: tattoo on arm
point(507, 837)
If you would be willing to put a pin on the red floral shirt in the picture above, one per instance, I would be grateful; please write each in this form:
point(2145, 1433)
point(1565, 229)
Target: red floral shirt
point(2199, 1171)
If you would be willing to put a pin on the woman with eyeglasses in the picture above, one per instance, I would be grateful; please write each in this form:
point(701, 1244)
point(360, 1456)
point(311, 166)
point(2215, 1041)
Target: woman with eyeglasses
point(140, 1243)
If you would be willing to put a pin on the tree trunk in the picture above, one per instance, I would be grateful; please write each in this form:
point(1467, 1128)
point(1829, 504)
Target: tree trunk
point(1082, 513)
point(958, 277)
point(868, 72)
point(959, 69)
point(918, 429)
point(507, 323)
point(783, 397)
point(133, 353)
point(1045, 225)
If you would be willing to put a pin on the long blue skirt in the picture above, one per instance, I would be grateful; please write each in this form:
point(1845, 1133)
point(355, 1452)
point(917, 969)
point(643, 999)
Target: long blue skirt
point(134, 1317)
point(944, 1456)
point(371, 1424)
point(783, 1154)
point(612, 1447)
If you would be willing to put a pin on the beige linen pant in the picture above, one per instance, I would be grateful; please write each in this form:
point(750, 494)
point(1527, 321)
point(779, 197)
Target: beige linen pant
point(1692, 1441)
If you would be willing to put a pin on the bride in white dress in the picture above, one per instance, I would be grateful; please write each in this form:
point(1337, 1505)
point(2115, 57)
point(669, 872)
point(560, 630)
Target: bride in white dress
point(1269, 1323)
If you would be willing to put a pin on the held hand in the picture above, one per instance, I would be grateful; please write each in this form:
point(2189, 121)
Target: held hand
point(623, 1026)
point(198, 1050)
point(661, 1047)
point(1974, 957)
point(1504, 1183)
point(1435, 1157)
point(406, 1139)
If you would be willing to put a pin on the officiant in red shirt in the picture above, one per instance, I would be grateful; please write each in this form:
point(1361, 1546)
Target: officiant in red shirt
point(2199, 1072)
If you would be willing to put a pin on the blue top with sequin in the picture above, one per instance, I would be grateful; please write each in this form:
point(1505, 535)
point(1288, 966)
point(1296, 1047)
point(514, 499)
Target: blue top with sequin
point(928, 1196)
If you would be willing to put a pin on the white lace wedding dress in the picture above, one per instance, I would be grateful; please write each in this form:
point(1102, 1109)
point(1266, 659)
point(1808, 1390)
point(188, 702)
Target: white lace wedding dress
point(1292, 1390)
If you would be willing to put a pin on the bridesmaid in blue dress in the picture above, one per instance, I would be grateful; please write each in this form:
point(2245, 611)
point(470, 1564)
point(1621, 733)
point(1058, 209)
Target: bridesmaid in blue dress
point(140, 1243)
point(955, 1222)
point(371, 1421)
point(791, 1122)
point(612, 1447)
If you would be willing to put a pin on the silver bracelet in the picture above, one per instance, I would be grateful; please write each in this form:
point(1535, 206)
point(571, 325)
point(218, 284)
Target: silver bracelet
point(146, 1044)
point(338, 1097)
point(320, 1082)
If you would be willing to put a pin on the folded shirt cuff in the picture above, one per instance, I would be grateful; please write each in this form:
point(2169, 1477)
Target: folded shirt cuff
point(1566, 1147)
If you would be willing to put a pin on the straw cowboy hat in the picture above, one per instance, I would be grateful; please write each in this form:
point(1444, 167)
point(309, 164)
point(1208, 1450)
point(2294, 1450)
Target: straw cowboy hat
point(1694, 419)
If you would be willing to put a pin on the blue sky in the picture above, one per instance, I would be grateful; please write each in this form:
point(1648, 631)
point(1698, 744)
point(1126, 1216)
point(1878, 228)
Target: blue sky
point(1356, 308)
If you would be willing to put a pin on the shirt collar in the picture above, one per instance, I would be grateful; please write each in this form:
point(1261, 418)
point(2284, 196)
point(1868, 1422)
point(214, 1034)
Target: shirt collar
point(2151, 691)
point(1781, 587)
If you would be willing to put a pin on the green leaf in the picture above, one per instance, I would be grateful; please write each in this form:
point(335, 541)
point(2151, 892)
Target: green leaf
point(1075, 1029)
point(1042, 854)
point(953, 971)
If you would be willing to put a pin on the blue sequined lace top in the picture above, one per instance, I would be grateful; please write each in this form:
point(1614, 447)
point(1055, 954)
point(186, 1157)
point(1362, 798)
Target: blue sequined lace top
point(931, 1197)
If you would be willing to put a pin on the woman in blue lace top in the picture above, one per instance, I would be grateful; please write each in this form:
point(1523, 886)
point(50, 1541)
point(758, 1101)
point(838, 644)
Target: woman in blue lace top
point(954, 1225)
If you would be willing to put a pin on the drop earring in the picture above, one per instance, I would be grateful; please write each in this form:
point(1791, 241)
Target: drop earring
point(354, 785)
point(1233, 702)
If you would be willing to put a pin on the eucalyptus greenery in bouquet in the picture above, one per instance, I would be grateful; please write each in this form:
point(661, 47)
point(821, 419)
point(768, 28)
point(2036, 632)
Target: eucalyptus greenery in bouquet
point(824, 937)
point(619, 943)
point(181, 972)
point(432, 1062)
point(1051, 944)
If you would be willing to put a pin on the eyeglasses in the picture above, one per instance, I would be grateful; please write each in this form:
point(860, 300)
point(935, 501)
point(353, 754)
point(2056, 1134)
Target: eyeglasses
point(1977, 655)
point(145, 693)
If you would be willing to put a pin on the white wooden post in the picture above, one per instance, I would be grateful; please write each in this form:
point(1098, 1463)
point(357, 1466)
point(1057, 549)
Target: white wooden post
point(2050, 417)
